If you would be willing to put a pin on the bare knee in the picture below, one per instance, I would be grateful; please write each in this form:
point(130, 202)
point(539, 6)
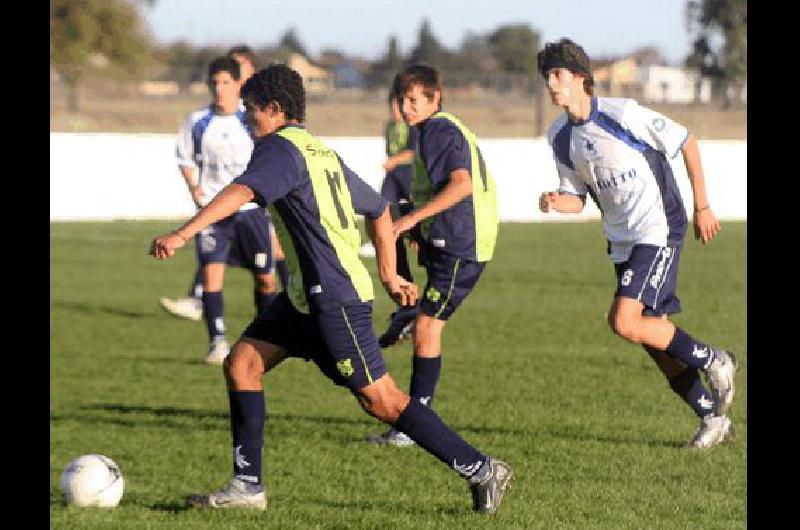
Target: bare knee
point(266, 283)
point(243, 367)
point(625, 325)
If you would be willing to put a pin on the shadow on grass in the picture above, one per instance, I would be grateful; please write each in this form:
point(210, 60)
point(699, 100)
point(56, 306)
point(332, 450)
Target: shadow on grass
point(181, 413)
point(171, 507)
point(93, 309)
point(572, 434)
point(384, 506)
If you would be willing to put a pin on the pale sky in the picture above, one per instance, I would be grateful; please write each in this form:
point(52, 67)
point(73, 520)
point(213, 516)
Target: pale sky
point(362, 27)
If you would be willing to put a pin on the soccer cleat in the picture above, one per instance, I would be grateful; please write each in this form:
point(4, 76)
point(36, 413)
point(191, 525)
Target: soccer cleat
point(487, 494)
point(191, 308)
point(234, 495)
point(218, 350)
point(367, 250)
point(401, 327)
point(713, 430)
point(720, 378)
point(391, 437)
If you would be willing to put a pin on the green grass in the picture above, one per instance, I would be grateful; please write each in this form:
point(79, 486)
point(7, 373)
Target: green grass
point(531, 374)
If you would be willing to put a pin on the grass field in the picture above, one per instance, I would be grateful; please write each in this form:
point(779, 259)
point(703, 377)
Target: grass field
point(531, 374)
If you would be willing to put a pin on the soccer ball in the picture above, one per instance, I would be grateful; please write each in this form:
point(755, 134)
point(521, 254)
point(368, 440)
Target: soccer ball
point(92, 480)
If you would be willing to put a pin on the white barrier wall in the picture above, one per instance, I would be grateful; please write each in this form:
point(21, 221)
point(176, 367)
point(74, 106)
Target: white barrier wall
point(134, 176)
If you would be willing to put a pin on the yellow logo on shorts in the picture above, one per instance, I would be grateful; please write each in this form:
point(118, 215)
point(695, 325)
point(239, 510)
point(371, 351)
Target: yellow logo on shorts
point(345, 367)
point(433, 295)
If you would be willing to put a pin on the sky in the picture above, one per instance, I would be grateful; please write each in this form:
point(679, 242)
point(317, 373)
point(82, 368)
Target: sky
point(362, 27)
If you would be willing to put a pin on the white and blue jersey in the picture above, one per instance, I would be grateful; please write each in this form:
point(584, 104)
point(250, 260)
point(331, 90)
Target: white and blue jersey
point(619, 157)
point(219, 146)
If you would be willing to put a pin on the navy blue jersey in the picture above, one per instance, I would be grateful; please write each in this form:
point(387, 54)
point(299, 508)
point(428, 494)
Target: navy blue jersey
point(315, 196)
point(468, 229)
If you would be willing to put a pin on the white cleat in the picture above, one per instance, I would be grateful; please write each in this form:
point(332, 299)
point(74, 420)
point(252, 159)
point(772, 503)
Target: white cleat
point(191, 308)
point(391, 437)
point(234, 495)
point(218, 350)
point(367, 250)
point(713, 430)
point(720, 378)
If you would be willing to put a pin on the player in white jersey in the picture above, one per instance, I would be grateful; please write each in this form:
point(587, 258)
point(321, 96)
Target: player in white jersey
point(616, 151)
point(191, 306)
point(213, 148)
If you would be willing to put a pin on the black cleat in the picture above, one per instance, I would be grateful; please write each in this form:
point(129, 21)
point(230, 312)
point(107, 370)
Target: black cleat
point(400, 328)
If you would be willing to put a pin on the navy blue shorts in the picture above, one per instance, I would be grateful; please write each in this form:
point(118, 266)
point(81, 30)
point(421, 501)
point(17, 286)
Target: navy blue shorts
point(651, 276)
point(243, 240)
point(450, 280)
point(340, 340)
point(397, 184)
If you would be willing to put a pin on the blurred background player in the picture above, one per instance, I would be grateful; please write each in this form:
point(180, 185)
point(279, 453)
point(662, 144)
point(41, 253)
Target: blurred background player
point(191, 307)
point(615, 150)
point(326, 314)
point(455, 202)
point(215, 140)
point(401, 142)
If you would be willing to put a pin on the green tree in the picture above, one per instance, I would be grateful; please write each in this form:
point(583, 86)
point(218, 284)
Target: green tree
point(384, 69)
point(428, 50)
point(724, 22)
point(515, 47)
point(87, 34)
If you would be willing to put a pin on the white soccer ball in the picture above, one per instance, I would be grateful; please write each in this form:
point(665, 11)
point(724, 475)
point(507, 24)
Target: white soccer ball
point(92, 480)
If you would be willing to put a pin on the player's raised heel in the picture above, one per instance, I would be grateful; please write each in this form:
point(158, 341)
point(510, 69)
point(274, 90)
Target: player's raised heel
point(218, 351)
point(713, 430)
point(400, 327)
point(391, 437)
point(487, 494)
point(721, 376)
point(237, 494)
point(190, 308)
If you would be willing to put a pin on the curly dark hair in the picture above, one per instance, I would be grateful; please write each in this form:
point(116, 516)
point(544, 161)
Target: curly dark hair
point(279, 84)
point(566, 54)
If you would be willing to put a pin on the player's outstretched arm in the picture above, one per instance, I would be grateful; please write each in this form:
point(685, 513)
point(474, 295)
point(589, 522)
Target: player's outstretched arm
point(706, 224)
point(230, 199)
point(458, 188)
point(402, 157)
point(561, 202)
point(380, 231)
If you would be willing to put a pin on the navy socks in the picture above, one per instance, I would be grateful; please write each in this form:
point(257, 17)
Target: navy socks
point(689, 387)
point(424, 377)
point(196, 290)
point(248, 414)
point(283, 273)
point(212, 311)
point(426, 428)
point(693, 353)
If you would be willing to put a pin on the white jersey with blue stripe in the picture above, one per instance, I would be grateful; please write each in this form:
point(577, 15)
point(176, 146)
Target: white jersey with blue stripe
point(619, 157)
point(219, 146)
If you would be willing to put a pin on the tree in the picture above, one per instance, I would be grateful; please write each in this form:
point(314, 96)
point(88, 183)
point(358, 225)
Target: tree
point(712, 21)
point(90, 34)
point(428, 50)
point(515, 47)
point(384, 70)
point(291, 42)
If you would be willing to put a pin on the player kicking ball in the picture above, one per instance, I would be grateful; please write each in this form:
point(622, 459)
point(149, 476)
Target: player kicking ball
point(325, 315)
point(616, 151)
